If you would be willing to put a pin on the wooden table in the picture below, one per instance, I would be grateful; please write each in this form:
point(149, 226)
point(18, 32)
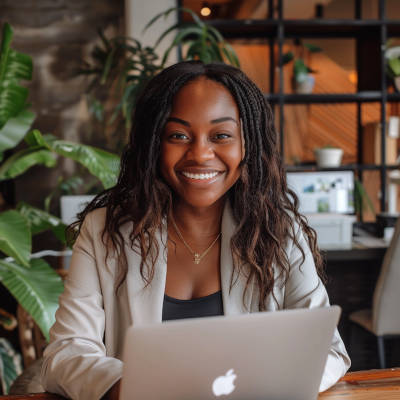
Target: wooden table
point(375, 384)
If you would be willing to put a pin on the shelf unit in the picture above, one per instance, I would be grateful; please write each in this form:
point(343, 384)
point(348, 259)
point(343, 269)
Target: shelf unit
point(276, 29)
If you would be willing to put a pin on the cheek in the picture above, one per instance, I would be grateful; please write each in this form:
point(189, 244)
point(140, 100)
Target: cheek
point(233, 158)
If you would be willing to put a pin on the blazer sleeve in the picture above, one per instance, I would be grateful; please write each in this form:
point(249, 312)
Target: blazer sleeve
point(304, 289)
point(75, 362)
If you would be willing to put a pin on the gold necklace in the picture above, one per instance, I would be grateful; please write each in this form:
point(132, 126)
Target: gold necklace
point(197, 257)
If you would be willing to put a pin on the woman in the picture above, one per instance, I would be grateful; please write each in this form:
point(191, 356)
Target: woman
point(200, 223)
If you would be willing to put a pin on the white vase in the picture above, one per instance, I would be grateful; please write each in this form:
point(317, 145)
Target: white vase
point(306, 85)
point(328, 157)
point(72, 205)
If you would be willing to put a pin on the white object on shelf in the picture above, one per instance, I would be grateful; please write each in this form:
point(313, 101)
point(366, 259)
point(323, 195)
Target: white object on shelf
point(328, 157)
point(71, 206)
point(334, 231)
point(393, 127)
point(394, 180)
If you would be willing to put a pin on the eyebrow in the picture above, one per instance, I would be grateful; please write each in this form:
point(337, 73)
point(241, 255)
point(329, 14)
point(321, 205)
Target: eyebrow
point(213, 121)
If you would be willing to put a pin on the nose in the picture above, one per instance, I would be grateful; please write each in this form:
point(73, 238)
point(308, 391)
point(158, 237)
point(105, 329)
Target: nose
point(200, 150)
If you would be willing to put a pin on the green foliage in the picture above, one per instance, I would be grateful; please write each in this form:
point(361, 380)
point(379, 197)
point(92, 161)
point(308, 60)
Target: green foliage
point(300, 69)
point(36, 288)
point(394, 66)
point(14, 130)
point(15, 236)
point(122, 67)
point(33, 283)
point(14, 67)
point(362, 200)
point(203, 41)
point(40, 221)
point(10, 365)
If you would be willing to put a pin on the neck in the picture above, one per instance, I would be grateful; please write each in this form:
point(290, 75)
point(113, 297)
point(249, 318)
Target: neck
point(198, 222)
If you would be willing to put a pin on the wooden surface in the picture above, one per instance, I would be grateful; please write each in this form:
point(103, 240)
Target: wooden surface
point(361, 385)
point(366, 385)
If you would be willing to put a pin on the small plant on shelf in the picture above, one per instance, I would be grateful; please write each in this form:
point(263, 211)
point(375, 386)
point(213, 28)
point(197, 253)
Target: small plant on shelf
point(302, 78)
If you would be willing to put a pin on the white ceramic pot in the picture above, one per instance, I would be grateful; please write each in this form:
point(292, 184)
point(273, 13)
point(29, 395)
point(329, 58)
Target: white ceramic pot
point(306, 85)
point(72, 205)
point(328, 157)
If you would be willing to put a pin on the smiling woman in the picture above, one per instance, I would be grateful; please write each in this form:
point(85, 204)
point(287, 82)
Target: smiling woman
point(200, 223)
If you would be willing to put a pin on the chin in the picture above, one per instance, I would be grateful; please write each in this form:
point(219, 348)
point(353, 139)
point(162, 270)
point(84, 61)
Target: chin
point(201, 202)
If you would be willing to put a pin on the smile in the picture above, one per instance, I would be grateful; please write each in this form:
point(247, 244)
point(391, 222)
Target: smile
point(199, 176)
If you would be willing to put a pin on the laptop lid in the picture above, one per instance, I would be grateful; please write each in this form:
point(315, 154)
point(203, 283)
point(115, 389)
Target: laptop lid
point(267, 355)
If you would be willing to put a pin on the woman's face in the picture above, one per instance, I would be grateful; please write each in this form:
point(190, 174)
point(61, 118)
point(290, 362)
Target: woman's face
point(201, 146)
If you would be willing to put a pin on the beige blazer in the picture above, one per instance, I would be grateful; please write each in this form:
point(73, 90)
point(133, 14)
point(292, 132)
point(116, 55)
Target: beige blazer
point(83, 359)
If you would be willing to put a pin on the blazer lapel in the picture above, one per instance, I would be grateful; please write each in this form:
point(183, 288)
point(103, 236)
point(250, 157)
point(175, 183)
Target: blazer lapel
point(233, 284)
point(146, 303)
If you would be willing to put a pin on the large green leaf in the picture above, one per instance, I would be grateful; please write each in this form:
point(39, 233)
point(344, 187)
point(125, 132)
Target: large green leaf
point(41, 221)
point(394, 65)
point(14, 67)
point(15, 236)
point(14, 130)
point(100, 163)
point(20, 162)
point(36, 288)
point(10, 365)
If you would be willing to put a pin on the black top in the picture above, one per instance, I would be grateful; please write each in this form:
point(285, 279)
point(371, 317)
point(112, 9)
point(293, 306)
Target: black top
point(206, 306)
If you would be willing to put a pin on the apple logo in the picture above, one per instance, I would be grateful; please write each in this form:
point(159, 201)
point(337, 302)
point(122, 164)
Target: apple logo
point(224, 384)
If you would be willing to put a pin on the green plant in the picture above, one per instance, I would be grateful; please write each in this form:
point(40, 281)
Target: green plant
point(300, 68)
point(33, 283)
point(362, 201)
point(121, 66)
point(202, 41)
point(10, 365)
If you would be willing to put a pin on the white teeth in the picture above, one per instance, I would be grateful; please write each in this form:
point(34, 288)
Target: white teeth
point(200, 176)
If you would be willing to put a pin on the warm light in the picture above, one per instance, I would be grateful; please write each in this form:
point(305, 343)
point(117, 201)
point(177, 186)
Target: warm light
point(353, 77)
point(205, 11)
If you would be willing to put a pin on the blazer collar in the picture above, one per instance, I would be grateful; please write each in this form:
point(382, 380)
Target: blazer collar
point(146, 303)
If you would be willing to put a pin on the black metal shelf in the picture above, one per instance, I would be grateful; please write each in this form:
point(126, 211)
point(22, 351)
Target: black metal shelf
point(338, 28)
point(360, 97)
point(370, 38)
point(345, 167)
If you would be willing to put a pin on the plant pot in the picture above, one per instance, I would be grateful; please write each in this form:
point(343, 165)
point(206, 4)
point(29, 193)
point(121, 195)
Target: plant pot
point(328, 157)
point(72, 205)
point(305, 85)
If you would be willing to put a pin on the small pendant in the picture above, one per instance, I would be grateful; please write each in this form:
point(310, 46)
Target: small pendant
point(196, 258)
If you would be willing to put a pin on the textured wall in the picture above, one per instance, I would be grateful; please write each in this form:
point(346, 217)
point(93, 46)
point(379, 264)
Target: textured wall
point(58, 34)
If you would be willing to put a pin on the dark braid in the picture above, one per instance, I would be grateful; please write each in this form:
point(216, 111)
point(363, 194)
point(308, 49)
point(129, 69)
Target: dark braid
point(265, 209)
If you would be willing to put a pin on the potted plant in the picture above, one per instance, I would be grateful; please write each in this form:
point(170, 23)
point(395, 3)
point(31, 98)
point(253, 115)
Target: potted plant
point(33, 283)
point(122, 67)
point(303, 80)
point(392, 55)
point(328, 156)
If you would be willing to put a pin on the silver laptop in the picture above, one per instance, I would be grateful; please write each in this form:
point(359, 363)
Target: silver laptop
point(269, 355)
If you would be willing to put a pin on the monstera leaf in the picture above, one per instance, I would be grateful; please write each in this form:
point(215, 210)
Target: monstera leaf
point(36, 288)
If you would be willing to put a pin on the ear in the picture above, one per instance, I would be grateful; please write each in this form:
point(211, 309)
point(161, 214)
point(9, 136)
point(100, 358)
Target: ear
point(242, 139)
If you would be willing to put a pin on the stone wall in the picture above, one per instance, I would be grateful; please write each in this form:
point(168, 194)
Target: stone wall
point(58, 34)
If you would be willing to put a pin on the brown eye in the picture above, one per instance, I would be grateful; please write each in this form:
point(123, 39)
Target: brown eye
point(178, 136)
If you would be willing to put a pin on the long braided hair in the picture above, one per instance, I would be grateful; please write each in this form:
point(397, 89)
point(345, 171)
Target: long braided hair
point(265, 209)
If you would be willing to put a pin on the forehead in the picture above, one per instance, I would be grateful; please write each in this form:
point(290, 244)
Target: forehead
point(204, 96)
